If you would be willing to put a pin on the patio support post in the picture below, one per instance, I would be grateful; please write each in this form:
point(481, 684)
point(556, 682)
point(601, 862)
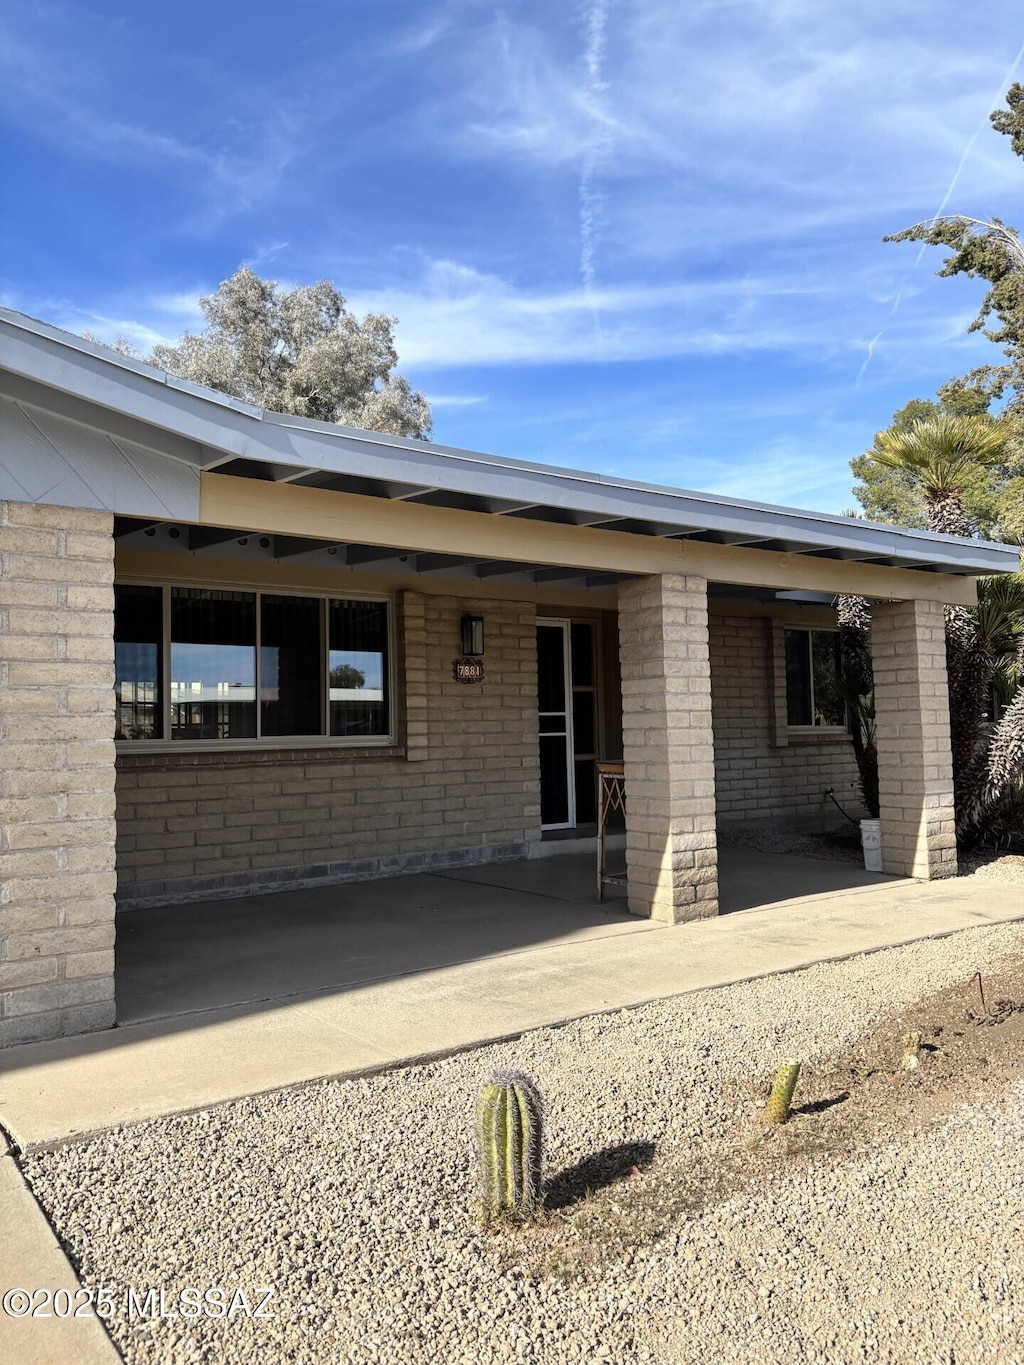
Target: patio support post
point(56, 771)
point(915, 768)
point(668, 748)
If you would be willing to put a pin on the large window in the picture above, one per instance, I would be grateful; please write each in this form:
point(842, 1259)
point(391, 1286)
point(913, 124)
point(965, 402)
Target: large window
point(202, 665)
point(813, 693)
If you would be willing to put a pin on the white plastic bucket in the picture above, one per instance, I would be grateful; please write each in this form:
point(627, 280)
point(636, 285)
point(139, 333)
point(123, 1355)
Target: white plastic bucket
point(871, 843)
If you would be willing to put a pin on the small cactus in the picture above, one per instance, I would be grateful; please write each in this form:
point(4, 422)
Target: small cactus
point(509, 1137)
point(911, 1055)
point(776, 1111)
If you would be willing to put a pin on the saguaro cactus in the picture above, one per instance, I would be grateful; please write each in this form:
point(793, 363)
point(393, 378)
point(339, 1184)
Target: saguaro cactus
point(510, 1140)
point(777, 1109)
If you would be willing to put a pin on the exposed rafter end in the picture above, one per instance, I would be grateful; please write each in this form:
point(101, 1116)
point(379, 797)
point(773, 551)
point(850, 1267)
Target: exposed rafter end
point(128, 526)
point(206, 537)
point(291, 547)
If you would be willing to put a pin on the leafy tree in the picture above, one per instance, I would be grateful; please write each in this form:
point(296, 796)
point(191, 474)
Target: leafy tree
point(990, 785)
point(299, 351)
point(347, 675)
point(950, 466)
point(991, 250)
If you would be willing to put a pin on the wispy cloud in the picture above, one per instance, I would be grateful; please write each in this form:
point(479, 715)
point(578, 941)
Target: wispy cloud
point(146, 321)
point(263, 255)
point(980, 126)
point(591, 198)
point(47, 89)
point(453, 316)
point(692, 196)
point(867, 358)
point(456, 400)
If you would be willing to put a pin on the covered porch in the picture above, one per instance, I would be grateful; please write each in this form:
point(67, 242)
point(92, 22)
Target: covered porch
point(178, 960)
point(229, 670)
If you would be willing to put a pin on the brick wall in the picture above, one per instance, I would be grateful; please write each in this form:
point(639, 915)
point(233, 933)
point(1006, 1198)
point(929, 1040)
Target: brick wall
point(56, 772)
point(192, 825)
point(759, 780)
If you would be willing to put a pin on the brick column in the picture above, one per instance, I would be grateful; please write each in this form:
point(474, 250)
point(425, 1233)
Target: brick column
point(915, 769)
point(56, 772)
point(668, 748)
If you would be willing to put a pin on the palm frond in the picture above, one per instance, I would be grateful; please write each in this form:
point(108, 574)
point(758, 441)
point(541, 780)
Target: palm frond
point(942, 449)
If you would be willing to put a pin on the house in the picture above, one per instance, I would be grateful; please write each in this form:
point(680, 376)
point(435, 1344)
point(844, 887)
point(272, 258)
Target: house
point(241, 651)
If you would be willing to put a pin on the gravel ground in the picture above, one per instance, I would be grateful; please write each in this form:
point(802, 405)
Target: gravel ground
point(353, 1200)
point(996, 867)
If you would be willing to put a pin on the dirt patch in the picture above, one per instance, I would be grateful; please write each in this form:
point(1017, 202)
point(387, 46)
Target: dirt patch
point(840, 845)
point(971, 1050)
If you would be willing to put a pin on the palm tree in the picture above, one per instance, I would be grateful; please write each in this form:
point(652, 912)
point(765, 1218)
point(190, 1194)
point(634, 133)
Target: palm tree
point(941, 450)
point(990, 776)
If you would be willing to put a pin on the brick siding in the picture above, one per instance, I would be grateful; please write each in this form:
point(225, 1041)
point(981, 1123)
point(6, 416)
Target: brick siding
point(56, 771)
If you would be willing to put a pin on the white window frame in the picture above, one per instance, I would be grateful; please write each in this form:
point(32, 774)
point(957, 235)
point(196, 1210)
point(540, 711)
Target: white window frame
point(843, 729)
point(166, 745)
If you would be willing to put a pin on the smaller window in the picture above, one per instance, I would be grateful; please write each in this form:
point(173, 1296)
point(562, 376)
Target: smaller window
point(358, 667)
point(813, 679)
point(138, 647)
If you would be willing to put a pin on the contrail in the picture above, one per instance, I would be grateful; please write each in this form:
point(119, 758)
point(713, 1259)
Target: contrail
point(867, 359)
point(982, 124)
point(590, 198)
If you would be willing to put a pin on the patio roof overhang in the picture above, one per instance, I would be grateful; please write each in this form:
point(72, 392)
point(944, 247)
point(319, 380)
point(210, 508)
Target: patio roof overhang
point(178, 449)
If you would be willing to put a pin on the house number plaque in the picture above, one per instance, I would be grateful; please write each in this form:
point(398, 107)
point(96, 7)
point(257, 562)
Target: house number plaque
point(468, 670)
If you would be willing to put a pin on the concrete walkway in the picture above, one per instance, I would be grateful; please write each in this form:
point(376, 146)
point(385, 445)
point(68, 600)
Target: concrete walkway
point(31, 1258)
point(53, 1091)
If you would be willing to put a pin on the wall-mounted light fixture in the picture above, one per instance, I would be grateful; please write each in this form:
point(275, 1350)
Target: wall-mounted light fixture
point(473, 636)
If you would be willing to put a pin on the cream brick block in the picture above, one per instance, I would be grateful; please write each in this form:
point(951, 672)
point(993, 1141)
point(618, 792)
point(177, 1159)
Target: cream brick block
point(668, 748)
point(915, 771)
point(57, 831)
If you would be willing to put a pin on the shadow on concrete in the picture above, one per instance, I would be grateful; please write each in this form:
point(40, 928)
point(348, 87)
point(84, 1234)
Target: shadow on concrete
point(747, 881)
point(180, 959)
point(200, 969)
point(183, 959)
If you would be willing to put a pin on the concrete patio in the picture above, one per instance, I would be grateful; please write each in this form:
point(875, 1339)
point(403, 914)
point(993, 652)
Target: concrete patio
point(563, 959)
point(181, 959)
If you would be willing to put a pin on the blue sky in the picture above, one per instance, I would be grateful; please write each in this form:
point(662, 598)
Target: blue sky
point(637, 236)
